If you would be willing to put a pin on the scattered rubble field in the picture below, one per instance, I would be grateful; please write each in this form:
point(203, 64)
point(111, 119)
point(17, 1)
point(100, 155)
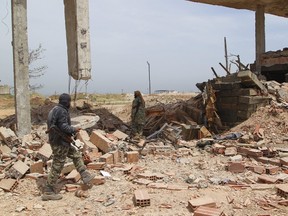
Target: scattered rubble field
point(241, 171)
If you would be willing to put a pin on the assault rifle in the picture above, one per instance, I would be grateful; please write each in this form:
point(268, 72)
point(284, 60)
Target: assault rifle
point(76, 144)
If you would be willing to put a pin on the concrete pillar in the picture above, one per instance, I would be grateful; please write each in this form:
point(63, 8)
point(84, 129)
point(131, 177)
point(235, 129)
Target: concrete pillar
point(260, 35)
point(21, 71)
point(78, 38)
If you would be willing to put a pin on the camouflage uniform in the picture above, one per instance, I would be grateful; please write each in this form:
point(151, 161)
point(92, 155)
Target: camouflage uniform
point(137, 116)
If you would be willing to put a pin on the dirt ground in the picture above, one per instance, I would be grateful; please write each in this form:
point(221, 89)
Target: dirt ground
point(207, 170)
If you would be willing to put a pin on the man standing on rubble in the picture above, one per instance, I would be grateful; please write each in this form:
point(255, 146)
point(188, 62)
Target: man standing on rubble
point(59, 126)
point(138, 114)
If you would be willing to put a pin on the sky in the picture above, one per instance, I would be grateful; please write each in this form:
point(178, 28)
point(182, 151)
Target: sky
point(181, 41)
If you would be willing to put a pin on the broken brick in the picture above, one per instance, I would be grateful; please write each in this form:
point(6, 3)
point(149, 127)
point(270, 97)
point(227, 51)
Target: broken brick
point(44, 153)
point(218, 149)
point(254, 153)
point(132, 157)
point(236, 167)
point(83, 136)
point(96, 165)
point(141, 198)
point(68, 167)
point(71, 187)
point(272, 170)
point(98, 180)
point(142, 181)
point(100, 141)
point(230, 151)
point(282, 190)
point(203, 201)
point(284, 161)
point(120, 135)
point(116, 156)
point(37, 167)
point(157, 185)
point(74, 175)
point(267, 179)
point(5, 149)
point(107, 158)
point(259, 169)
point(208, 211)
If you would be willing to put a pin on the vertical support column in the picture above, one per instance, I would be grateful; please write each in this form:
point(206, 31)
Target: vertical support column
point(260, 35)
point(78, 38)
point(21, 70)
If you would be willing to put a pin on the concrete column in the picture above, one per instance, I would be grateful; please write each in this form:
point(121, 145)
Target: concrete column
point(78, 38)
point(260, 35)
point(21, 71)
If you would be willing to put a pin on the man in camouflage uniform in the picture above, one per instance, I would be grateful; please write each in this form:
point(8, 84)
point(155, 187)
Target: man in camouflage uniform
point(138, 114)
point(59, 124)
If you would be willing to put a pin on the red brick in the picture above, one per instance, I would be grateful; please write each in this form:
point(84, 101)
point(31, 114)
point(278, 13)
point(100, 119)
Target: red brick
point(100, 141)
point(111, 137)
point(157, 185)
point(94, 154)
point(83, 136)
point(218, 149)
point(132, 157)
point(107, 158)
point(274, 161)
point(207, 211)
point(72, 187)
point(267, 179)
point(96, 165)
point(5, 149)
point(284, 161)
point(116, 156)
point(68, 167)
point(44, 153)
point(98, 180)
point(37, 167)
point(259, 169)
point(236, 167)
point(242, 151)
point(272, 170)
point(18, 169)
point(141, 198)
point(120, 135)
point(264, 160)
point(254, 153)
point(203, 201)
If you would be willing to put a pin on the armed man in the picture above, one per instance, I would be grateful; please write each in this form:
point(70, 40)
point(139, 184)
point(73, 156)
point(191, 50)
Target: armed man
point(59, 128)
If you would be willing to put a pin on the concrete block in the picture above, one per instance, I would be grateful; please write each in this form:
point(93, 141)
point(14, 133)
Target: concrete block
point(236, 167)
point(37, 167)
point(107, 158)
point(202, 201)
point(132, 157)
point(141, 198)
point(44, 153)
point(207, 211)
point(120, 135)
point(8, 184)
point(100, 141)
point(8, 136)
point(96, 165)
point(18, 169)
point(98, 180)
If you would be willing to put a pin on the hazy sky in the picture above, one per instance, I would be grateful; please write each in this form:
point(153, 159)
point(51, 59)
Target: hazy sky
point(180, 39)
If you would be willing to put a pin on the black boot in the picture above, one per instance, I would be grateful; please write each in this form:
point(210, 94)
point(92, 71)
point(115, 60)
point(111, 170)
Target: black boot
point(49, 194)
point(87, 176)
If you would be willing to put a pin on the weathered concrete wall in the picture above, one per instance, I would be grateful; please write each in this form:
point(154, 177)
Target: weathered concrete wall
point(78, 38)
point(21, 71)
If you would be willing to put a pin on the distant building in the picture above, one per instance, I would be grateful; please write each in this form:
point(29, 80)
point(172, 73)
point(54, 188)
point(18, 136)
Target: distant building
point(164, 91)
point(4, 90)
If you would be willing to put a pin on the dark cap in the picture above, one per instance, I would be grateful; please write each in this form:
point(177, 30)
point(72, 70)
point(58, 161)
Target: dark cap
point(65, 99)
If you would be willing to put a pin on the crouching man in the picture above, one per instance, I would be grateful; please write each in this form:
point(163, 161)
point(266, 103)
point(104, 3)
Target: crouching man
point(59, 119)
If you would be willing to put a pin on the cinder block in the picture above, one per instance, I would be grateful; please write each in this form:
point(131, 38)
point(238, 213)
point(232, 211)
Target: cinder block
point(18, 169)
point(132, 157)
point(98, 180)
point(207, 211)
point(8, 184)
point(44, 153)
point(100, 141)
point(37, 167)
point(8, 136)
point(107, 158)
point(282, 190)
point(74, 176)
point(141, 198)
point(203, 201)
point(96, 165)
point(236, 167)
